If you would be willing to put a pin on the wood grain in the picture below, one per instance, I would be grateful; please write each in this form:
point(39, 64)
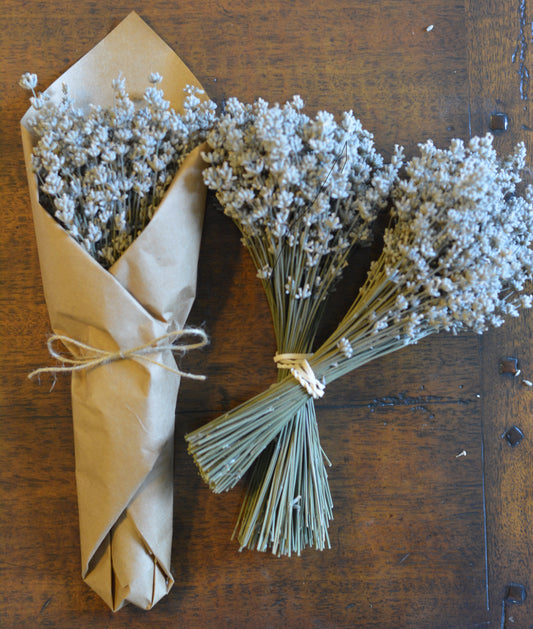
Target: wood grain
point(497, 86)
point(432, 507)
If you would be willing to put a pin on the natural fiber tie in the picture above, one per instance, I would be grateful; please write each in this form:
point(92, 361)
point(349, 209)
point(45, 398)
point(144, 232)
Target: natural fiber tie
point(301, 370)
point(94, 357)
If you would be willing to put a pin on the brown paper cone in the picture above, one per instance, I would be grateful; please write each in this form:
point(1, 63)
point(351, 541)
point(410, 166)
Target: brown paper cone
point(123, 411)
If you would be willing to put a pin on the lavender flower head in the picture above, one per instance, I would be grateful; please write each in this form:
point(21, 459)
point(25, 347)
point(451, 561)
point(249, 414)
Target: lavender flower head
point(297, 186)
point(460, 249)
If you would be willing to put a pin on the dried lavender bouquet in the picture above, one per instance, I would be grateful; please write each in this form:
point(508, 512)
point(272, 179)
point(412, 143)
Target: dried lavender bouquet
point(103, 172)
point(117, 197)
point(303, 192)
point(456, 256)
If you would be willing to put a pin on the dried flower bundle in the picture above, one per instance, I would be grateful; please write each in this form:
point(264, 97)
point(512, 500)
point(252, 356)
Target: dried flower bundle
point(303, 192)
point(118, 202)
point(102, 173)
point(456, 256)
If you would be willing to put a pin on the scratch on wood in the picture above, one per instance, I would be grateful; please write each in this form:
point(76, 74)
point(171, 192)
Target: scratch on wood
point(45, 605)
point(520, 51)
point(417, 403)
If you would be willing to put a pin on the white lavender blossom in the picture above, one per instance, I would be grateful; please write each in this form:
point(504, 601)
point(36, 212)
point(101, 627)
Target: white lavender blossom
point(28, 81)
point(302, 191)
point(457, 256)
point(345, 347)
point(102, 172)
point(461, 244)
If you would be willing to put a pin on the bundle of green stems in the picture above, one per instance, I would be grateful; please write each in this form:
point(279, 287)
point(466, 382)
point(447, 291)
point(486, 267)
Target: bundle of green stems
point(456, 256)
point(304, 192)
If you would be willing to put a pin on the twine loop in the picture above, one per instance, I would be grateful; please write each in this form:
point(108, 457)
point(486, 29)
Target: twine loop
point(301, 370)
point(94, 357)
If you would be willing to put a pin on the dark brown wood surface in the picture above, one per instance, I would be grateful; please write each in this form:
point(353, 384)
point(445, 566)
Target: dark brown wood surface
point(433, 507)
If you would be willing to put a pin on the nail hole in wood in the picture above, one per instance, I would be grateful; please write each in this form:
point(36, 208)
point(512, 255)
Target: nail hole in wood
point(514, 436)
point(509, 365)
point(516, 593)
point(499, 122)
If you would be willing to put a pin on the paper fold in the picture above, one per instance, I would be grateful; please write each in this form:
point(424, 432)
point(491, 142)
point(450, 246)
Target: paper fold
point(124, 411)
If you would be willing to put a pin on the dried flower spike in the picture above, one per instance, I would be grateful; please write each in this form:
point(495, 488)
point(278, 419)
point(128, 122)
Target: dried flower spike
point(28, 81)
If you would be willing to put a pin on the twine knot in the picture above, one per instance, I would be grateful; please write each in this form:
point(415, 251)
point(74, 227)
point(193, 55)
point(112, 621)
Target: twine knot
point(301, 370)
point(94, 356)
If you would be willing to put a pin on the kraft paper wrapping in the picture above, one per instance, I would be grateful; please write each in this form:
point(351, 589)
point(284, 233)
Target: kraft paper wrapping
point(124, 411)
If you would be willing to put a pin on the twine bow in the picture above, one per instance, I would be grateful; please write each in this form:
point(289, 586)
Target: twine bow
point(94, 357)
point(301, 370)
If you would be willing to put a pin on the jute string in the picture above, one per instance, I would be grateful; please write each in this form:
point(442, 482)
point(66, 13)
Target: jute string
point(94, 357)
point(301, 370)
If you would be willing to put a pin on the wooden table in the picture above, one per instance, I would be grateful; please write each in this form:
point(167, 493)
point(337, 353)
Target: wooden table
point(433, 506)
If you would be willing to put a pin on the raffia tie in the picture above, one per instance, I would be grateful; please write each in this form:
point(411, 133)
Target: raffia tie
point(95, 357)
point(301, 370)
